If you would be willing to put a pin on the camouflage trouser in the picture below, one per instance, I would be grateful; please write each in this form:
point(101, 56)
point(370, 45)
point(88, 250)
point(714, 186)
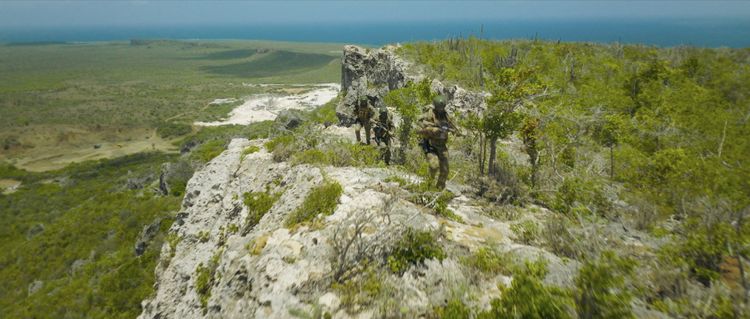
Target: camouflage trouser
point(384, 144)
point(438, 160)
point(367, 126)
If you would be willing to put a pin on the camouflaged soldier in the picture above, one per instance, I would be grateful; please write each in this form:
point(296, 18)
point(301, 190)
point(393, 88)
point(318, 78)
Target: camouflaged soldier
point(434, 127)
point(363, 113)
point(383, 132)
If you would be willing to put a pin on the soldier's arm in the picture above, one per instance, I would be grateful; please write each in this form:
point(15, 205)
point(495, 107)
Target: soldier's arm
point(427, 127)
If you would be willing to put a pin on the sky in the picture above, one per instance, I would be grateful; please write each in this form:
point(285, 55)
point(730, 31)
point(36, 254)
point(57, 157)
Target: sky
point(64, 13)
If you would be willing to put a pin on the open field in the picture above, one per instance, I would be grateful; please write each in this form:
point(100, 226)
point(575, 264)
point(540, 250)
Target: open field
point(59, 100)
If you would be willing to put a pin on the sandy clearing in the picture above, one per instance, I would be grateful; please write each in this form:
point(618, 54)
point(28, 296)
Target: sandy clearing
point(51, 157)
point(9, 186)
point(264, 107)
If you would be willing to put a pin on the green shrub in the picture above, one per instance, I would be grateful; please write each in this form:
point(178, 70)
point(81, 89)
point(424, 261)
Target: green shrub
point(581, 195)
point(528, 297)
point(702, 248)
point(205, 277)
point(321, 200)
point(414, 248)
point(311, 156)
point(490, 262)
point(601, 291)
point(455, 309)
point(526, 231)
point(282, 147)
point(208, 150)
point(249, 150)
point(258, 204)
point(171, 129)
point(361, 290)
point(326, 113)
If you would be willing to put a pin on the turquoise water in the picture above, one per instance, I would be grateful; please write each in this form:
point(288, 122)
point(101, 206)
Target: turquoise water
point(704, 33)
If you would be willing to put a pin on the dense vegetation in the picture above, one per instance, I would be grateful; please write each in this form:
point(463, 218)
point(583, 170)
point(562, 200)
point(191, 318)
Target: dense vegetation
point(83, 241)
point(69, 237)
point(656, 139)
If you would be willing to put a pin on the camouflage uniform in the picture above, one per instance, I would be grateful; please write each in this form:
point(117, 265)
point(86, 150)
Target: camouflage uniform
point(434, 126)
point(363, 113)
point(383, 131)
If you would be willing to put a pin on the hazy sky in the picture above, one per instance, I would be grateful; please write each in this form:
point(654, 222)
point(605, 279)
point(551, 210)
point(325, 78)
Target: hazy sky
point(150, 13)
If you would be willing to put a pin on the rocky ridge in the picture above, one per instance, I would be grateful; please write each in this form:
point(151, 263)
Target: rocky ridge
point(375, 72)
point(271, 270)
point(215, 265)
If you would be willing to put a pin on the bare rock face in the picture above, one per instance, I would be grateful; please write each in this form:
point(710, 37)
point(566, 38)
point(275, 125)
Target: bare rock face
point(371, 72)
point(375, 72)
point(211, 268)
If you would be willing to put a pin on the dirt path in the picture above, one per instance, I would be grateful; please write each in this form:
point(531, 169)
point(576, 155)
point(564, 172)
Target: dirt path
point(264, 107)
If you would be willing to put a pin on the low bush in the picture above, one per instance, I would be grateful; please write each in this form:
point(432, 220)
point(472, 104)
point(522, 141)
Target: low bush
point(454, 309)
point(526, 231)
point(208, 150)
point(171, 129)
point(249, 150)
point(490, 262)
point(204, 279)
point(361, 290)
point(601, 290)
point(581, 195)
point(258, 204)
point(528, 297)
point(414, 248)
point(321, 200)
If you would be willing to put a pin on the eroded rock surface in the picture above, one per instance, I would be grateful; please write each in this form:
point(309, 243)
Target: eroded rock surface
point(271, 271)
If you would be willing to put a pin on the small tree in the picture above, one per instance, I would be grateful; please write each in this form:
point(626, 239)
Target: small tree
point(530, 134)
point(408, 102)
point(511, 88)
point(601, 290)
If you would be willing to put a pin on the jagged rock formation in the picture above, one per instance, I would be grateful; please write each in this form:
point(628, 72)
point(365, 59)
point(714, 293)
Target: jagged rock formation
point(375, 72)
point(217, 265)
point(272, 270)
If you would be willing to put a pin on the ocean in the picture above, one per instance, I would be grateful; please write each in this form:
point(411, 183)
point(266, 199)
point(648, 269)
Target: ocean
point(671, 32)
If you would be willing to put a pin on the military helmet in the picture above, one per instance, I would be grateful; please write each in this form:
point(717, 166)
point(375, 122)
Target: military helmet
point(362, 100)
point(439, 101)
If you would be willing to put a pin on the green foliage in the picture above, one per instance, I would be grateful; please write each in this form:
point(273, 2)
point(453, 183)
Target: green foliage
point(88, 215)
point(207, 151)
point(441, 206)
point(528, 297)
point(454, 309)
point(578, 195)
point(489, 261)
point(321, 200)
point(701, 247)
point(116, 84)
point(414, 248)
point(282, 147)
point(601, 290)
point(326, 113)
point(526, 231)
point(205, 277)
point(258, 204)
point(250, 150)
point(361, 290)
point(339, 153)
point(172, 129)
point(408, 102)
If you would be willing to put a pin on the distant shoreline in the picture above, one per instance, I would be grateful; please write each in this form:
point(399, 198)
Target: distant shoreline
point(655, 32)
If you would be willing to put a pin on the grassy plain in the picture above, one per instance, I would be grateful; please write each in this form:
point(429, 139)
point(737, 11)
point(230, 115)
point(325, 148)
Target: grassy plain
point(57, 97)
point(121, 109)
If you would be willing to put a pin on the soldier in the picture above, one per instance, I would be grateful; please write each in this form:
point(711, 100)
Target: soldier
point(434, 127)
point(383, 130)
point(363, 113)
